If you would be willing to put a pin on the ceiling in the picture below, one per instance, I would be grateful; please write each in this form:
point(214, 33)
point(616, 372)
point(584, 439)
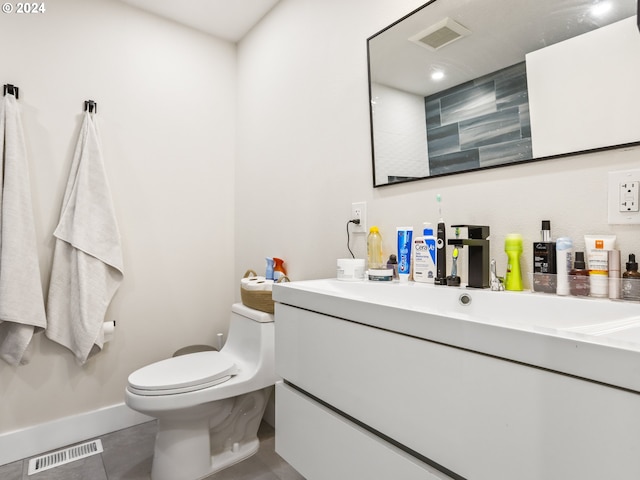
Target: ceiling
point(226, 19)
point(502, 33)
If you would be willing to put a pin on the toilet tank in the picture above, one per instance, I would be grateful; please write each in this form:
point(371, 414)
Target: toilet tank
point(250, 313)
point(251, 335)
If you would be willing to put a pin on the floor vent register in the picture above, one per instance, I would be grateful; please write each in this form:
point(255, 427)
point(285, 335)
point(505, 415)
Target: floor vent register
point(64, 456)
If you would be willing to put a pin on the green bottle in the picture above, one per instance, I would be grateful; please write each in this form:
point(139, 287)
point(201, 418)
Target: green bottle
point(513, 249)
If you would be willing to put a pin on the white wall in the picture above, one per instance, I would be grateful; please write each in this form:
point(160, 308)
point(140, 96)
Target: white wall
point(304, 145)
point(166, 113)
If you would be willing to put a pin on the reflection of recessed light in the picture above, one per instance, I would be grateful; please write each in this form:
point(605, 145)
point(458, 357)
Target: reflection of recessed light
point(437, 75)
point(600, 8)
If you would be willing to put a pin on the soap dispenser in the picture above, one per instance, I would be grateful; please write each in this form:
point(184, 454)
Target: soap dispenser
point(513, 249)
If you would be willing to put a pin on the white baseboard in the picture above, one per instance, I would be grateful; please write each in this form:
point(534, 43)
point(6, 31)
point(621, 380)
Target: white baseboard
point(43, 437)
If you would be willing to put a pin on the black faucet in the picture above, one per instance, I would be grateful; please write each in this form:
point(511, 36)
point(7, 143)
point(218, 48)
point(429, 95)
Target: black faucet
point(478, 244)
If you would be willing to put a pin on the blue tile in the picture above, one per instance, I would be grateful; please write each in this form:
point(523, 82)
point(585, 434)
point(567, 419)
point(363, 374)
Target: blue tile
point(432, 109)
point(525, 121)
point(517, 99)
point(498, 127)
point(483, 122)
point(454, 162)
point(511, 86)
point(469, 103)
point(443, 140)
point(508, 152)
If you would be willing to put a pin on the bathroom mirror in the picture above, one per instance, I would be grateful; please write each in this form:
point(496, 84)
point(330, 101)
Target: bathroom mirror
point(464, 85)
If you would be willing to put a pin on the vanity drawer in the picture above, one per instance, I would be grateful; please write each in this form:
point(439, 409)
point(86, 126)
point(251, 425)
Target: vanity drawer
point(478, 416)
point(322, 445)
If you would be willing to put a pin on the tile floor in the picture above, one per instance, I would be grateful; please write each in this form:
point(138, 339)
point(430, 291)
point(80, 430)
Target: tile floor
point(127, 456)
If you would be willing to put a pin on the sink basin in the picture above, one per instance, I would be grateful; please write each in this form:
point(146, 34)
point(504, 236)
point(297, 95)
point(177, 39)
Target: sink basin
point(596, 339)
point(626, 330)
point(523, 310)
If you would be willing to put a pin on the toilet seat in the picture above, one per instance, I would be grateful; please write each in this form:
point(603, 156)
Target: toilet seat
point(186, 373)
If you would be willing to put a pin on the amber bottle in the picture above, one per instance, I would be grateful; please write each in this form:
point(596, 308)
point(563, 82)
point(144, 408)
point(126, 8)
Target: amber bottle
point(579, 277)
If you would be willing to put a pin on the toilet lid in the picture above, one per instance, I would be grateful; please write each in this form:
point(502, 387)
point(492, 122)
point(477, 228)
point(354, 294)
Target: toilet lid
point(184, 373)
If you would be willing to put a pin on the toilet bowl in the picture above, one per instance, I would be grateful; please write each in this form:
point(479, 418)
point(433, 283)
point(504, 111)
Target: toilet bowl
point(208, 404)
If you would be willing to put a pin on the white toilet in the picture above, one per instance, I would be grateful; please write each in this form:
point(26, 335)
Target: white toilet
point(208, 404)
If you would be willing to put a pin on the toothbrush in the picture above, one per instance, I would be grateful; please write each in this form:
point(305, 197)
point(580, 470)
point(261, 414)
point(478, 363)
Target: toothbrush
point(454, 266)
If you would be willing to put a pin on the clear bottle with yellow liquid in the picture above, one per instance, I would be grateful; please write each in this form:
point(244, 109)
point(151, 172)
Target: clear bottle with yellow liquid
point(374, 249)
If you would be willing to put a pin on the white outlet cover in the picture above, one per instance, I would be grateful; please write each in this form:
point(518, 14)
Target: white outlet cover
point(362, 207)
point(616, 179)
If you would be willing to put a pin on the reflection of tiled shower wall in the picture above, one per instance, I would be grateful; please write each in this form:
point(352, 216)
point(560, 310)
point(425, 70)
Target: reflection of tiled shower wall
point(480, 123)
point(400, 136)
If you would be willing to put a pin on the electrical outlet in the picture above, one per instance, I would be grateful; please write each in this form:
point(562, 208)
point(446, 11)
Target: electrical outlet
point(359, 211)
point(624, 189)
point(628, 197)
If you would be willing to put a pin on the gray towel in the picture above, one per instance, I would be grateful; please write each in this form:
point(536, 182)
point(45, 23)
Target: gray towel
point(21, 300)
point(87, 260)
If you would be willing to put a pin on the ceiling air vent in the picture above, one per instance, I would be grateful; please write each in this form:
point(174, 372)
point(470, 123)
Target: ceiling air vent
point(442, 33)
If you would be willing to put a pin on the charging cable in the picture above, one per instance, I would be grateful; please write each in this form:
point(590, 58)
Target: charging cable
point(355, 221)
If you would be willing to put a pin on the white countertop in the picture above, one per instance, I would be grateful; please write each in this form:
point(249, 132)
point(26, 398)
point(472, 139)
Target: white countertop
point(596, 339)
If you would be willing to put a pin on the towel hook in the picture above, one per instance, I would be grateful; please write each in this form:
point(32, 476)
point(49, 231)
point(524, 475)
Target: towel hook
point(91, 106)
point(11, 90)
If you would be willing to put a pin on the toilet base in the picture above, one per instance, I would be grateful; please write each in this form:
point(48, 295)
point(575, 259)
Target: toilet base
point(209, 438)
point(238, 453)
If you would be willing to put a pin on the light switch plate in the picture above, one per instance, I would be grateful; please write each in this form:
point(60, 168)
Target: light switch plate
point(623, 197)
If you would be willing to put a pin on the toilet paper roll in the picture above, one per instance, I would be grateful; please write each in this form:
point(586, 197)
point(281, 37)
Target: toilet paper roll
point(259, 284)
point(247, 280)
point(108, 329)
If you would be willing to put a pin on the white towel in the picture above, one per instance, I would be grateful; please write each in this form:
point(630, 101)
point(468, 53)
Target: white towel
point(21, 300)
point(87, 260)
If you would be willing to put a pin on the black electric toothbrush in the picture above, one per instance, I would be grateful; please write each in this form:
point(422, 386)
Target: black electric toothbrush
point(441, 246)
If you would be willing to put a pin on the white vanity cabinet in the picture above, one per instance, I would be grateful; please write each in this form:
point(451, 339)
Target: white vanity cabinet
point(365, 402)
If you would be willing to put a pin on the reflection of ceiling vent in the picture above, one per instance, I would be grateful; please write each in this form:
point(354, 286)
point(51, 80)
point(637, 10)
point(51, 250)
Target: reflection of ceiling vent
point(442, 33)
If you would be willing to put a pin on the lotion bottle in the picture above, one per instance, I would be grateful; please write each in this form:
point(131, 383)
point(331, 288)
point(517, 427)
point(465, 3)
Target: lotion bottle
point(424, 256)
